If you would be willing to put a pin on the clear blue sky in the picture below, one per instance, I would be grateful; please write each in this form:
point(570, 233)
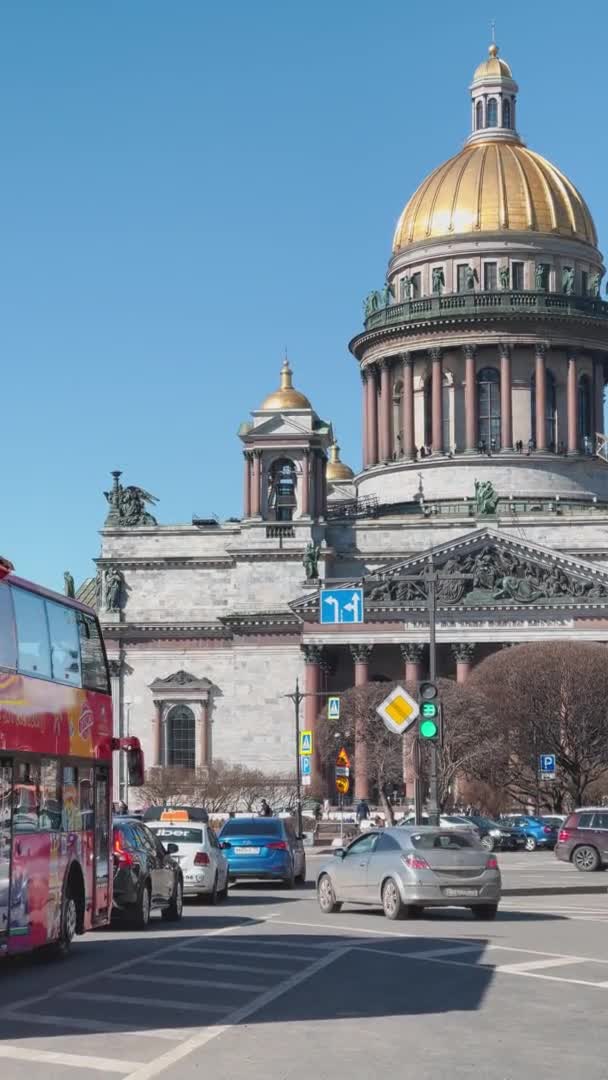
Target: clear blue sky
point(188, 187)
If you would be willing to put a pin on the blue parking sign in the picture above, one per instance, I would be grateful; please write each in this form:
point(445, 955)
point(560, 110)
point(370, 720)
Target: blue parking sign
point(547, 763)
point(305, 766)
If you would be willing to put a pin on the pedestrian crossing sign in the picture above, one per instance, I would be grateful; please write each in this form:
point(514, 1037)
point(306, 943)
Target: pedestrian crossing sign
point(333, 708)
point(306, 742)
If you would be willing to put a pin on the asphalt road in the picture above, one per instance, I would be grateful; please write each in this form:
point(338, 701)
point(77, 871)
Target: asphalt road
point(266, 986)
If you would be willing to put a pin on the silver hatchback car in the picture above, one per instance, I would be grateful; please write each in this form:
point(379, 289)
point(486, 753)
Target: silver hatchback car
point(408, 868)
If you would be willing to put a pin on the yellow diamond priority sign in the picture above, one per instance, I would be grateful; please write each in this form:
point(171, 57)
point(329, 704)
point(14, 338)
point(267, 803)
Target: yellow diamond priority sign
point(399, 711)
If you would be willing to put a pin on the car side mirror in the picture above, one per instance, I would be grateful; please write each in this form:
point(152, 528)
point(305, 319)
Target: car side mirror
point(172, 848)
point(339, 852)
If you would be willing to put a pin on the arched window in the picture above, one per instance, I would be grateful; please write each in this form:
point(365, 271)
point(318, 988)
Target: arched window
point(446, 406)
point(282, 490)
point(492, 115)
point(488, 408)
point(479, 115)
point(506, 113)
point(550, 410)
point(180, 738)
point(584, 408)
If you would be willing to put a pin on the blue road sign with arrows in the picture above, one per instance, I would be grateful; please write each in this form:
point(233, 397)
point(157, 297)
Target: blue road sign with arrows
point(547, 764)
point(341, 606)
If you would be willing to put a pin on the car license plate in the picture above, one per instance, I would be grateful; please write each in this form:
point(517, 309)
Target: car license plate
point(246, 851)
point(461, 892)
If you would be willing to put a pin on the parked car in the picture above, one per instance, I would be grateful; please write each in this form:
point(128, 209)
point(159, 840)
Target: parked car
point(497, 834)
point(192, 843)
point(536, 832)
point(447, 821)
point(583, 839)
point(557, 820)
point(146, 878)
point(263, 847)
point(407, 868)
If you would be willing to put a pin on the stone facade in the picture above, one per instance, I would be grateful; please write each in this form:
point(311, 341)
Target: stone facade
point(213, 622)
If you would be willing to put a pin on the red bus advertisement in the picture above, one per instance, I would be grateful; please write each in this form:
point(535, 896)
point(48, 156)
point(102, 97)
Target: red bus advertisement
point(56, 749)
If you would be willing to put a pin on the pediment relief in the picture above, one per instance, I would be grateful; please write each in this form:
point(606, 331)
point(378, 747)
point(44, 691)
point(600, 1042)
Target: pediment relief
point(279, 424)
point(180, 680)
point(484, 569)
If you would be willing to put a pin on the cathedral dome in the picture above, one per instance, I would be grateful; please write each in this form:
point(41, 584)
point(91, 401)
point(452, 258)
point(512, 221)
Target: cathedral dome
point(495, 184)
point(286, 397)
point(337, 471)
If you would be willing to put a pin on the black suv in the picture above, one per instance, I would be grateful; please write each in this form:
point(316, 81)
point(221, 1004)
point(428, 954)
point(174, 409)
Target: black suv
point(145, 875)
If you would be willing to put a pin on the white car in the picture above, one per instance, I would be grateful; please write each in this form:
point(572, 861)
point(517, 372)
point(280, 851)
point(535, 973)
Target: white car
point(194, 845)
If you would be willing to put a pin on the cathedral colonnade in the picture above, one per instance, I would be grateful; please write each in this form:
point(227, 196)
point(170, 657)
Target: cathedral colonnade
point(481, 399)
point(361, 663)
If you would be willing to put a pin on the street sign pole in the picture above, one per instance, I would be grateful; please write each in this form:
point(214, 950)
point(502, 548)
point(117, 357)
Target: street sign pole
point(298, 697)
point(433, 789)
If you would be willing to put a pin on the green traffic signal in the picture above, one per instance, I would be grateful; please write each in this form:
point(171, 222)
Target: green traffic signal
point(428, 710)
point(428, 729)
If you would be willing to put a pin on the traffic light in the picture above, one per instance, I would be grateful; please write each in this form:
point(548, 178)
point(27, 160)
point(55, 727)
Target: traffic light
point(430, 721)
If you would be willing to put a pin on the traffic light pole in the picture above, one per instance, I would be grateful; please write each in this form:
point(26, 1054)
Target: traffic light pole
point(298, 697)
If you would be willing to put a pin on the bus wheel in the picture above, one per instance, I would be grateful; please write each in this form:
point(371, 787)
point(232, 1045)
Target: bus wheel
point(69, 924)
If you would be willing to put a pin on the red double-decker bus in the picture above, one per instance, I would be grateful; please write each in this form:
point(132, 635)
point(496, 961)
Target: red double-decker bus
point(56, 748)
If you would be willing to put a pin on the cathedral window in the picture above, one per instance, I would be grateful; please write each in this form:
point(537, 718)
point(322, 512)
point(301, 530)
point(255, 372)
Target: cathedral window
point(180, 738)
point(490, 280)
point(506, 113)
point(479, 115)
point(517, 275)
point(550, 409)
point(488, 408)
point(584, 408)
point(282, 493)
point(492, 117)
point(461, 277)
point(415, 285)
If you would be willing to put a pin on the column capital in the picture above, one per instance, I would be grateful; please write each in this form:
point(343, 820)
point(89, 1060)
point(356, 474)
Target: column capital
point(469, 351)
point(361, 653)
point(407, 358)
point(256, 454)
point(386, 363)
point(435, 355)
point(572, 354)
point(116, 668)
point(313, 654)
point(541, 348)
point(247, 454)
point(463, 651)
point(504, 349)
point(364, 373)
point(412, 652)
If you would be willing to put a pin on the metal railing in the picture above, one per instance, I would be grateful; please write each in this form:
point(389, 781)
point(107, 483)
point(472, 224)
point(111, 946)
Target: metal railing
point(500, 302)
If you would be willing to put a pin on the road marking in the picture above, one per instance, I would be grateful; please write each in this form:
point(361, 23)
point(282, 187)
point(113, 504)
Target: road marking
point(95, 977)
point(533, 965)
point(174, 980)
point(158, 1003)
point(203, 949)
point(77, 1061)
point(430, 954)
point(153, 1068)
point(94, 1027)
point(200, 965)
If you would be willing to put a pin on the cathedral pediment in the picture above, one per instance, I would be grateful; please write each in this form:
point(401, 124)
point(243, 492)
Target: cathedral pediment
point(484, 570)
point(280, 424)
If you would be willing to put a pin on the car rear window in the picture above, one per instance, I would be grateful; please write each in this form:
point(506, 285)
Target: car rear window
point(251, 828)
point(185, 836)
point(447, 840)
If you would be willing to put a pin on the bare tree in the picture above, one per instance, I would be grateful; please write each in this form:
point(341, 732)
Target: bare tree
point(547, 698)
point(220, 790)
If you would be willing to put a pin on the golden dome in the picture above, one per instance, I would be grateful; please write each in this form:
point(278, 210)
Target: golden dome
point(494, 186)
point(493, 66)
point(286, 397)
point(336, 469)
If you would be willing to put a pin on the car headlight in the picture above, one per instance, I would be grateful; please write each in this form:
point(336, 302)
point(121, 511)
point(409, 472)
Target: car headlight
point(495, 832)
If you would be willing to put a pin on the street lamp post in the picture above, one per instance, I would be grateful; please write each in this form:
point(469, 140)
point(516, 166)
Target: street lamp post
point(298, 697)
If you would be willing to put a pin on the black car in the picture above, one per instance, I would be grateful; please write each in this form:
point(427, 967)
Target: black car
point(145, 875)
point(497, 834)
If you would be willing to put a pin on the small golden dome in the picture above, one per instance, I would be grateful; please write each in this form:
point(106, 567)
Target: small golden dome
point(493, 66)
point(494, 186)
point(286, 397)
point(336, 469)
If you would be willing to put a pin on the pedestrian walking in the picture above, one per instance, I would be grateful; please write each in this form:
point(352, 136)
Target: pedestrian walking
point(265, 809)
point(362, 811)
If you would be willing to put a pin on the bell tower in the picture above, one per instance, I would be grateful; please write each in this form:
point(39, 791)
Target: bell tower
point(285, 449)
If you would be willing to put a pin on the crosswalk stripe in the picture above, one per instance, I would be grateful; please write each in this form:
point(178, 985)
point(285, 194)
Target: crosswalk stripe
point(92, 1026)
point(203, 949)
point(149, 1002)
point(173, 980)
point(202, 965)
point(77, 1061)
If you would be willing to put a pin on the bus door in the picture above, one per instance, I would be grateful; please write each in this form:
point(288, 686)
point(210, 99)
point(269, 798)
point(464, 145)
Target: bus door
point(103, 847)
point(6, 803)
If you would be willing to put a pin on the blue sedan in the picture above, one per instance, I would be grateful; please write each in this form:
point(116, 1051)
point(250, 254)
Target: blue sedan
point(536, 831)
point(263, 847)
